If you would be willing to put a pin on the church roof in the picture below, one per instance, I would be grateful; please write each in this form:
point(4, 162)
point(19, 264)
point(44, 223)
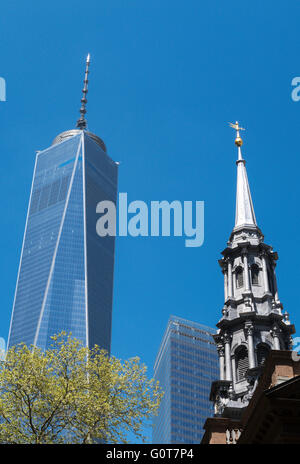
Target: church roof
point(244, 213)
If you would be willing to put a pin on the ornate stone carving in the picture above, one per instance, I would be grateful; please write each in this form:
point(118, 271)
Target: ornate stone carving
point(275, 331)
point(220, 403)
point(248, 302)
point(221, 351)
point(263, 254)
point(249, 329)
point(227, 337)
point(232, 436)
point(225, 311)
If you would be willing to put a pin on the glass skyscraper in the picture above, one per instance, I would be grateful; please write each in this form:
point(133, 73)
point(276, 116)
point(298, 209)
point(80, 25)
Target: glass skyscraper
point(65, 277)
point(186, 364)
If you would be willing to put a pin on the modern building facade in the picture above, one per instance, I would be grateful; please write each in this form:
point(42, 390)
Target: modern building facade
point(185, 366)
point(65, 277)
point(252, 321)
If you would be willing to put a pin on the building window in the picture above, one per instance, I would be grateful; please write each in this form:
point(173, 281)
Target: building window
point(242, 363)
point(239, 277)
point(255, 274)
point(262, 353)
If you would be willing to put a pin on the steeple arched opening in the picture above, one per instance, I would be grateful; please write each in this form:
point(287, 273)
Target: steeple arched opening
point(239, 277)
point(255, 274)
point(242, 362)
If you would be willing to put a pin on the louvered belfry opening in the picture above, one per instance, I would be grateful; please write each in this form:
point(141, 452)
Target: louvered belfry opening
point(239, 277)
point(242, 363)
point(255, 274)
point(262, 353)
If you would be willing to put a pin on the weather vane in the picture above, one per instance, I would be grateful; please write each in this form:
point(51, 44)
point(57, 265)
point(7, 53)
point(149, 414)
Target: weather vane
point(238, 141)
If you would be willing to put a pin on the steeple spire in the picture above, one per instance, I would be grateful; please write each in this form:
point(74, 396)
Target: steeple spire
point(244, 214)
point(82, 123)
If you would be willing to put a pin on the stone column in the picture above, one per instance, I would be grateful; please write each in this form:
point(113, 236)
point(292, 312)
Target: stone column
point(225, 284)
point(220, 349)
point(230, 294)
point(265, 272)
point(246, 270)
point(227, 356)
point(275, 283)
point(275, 332)
point(251, 354)
point(233, 369)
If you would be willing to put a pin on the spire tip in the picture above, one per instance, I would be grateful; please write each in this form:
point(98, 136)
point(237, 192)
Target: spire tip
point(238, 140)
point(82, 123)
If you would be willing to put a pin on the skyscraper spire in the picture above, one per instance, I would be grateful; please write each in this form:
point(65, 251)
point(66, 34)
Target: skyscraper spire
point(82, 123)
point(244, 214)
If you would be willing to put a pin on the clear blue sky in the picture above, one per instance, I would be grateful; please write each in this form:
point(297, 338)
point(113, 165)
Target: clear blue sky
point(166, 77)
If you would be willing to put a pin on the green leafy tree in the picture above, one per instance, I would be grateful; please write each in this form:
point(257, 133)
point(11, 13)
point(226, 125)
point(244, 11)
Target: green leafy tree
point(70, 394)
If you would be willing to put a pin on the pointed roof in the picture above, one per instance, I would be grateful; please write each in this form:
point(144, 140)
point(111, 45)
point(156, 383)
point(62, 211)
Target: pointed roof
point(244, 213)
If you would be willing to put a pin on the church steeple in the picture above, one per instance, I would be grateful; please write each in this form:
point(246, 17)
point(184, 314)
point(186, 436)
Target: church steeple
point(252, 322)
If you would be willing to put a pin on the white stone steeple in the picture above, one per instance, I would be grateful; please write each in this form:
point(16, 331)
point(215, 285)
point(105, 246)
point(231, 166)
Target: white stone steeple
point(252, 322)
point(244, 213)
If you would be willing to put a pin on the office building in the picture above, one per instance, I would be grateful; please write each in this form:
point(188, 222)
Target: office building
point(65, 277)
point(185, 366)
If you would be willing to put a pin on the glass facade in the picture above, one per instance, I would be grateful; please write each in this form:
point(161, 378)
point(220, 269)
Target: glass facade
point(65, 278)
point(186, 364)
